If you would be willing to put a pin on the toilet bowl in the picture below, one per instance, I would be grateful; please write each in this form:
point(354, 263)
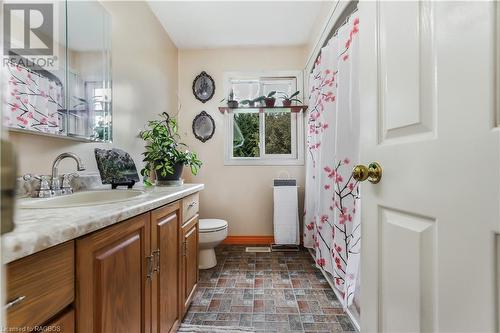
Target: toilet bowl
point(211, 233)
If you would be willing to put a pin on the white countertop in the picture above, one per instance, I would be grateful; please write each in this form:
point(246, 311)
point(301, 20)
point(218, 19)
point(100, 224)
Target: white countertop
point(38, 229)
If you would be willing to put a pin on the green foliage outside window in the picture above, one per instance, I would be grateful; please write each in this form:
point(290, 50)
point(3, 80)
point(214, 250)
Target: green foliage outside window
point(277, 134)
point(246, 142)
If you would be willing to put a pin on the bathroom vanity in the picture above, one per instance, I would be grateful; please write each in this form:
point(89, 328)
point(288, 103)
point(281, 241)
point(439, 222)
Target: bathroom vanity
point(129, 266)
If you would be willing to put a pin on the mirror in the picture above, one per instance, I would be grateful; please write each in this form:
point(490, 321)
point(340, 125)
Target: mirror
point(88, 71)
point(203, 87)
point(73, 98)
point(203, 126)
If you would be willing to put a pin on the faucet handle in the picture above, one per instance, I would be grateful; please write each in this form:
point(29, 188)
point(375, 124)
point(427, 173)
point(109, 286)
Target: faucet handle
point(44, 180)
point(66, 184)
point(44, 183)
point(67, 178)
point(30, 176)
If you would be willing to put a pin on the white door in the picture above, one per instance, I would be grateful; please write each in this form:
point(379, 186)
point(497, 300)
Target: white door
point(427, 116)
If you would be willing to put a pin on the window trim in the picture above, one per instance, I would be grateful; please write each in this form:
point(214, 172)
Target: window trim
point(298, 125)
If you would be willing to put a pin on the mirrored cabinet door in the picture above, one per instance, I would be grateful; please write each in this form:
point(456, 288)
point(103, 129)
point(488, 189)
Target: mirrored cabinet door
point(33, 71)
point(88, 71)
point(70, 97)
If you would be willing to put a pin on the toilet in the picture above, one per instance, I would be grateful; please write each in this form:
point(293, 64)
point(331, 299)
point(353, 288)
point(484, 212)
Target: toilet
point(211, 233)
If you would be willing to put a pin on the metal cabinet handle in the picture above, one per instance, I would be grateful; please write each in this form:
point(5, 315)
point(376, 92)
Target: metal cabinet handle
point(156, 260)
point(14, 302)
point(149, 267)
point(192, 204)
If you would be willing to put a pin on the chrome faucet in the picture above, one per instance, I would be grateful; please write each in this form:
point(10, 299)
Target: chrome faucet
point(50, 186)
point(55, 185)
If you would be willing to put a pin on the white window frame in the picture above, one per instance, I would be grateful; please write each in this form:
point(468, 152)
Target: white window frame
point(297, 127)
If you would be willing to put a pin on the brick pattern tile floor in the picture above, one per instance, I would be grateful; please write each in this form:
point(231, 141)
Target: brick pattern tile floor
point(270, 292)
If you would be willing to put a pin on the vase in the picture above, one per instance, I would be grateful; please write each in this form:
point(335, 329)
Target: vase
point(270, 101)
point(170, 179)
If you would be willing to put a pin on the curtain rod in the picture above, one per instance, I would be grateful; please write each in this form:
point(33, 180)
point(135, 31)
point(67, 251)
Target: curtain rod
point(350, 9)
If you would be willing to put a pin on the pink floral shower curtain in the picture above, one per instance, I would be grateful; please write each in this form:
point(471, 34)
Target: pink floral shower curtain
point(332, 220)
point(31, 100)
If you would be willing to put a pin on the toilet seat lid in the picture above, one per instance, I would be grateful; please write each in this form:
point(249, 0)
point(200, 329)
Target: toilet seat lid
point(209, 225)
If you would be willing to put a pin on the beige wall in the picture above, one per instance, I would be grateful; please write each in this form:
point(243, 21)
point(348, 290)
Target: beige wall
point(242, 195)
point(321, 21)
point(147, 72)
point(144, 65)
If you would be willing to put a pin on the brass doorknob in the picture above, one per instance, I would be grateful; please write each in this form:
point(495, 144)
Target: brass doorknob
point(373, 172)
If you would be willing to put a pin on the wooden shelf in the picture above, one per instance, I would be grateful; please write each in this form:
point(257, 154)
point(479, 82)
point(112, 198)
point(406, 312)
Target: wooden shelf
point(293, 108)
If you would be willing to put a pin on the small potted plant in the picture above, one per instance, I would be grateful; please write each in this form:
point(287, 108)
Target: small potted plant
point(287, 100)
point(270, 99)
point(253, 102)
point(165, 155)
point(231, 103)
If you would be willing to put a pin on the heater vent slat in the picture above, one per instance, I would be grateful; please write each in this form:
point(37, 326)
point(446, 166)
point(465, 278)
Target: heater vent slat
point(258, 249)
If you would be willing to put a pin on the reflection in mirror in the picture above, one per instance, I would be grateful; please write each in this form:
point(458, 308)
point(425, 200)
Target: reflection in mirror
point(33, 84)
point(88, 74)
point(72, 98)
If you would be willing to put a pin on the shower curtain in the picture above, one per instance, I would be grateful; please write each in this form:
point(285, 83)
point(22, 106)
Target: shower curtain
point(30, 101)
point(332, 214)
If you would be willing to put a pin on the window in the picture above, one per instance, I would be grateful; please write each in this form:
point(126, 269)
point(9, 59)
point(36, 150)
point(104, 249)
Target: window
point(263, 136)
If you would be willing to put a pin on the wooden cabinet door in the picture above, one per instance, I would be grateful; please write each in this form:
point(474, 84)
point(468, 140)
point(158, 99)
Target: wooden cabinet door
point(64, 323)
point(113, 290)
point(165, 308)
point(189, 261)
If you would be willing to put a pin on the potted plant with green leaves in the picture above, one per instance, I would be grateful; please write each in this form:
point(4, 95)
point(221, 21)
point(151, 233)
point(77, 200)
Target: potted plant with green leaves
point(231, 103)
point(165, 155)
point(287, 100)
point(270, 99)
point(253, 102)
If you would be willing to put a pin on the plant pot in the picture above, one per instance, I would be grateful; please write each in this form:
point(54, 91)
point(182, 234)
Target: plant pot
point(170, 178)
point(287, 102)
point(270, 101)
point(232, 104)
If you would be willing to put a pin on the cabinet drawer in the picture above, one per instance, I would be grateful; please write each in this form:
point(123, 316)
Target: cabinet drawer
point(39, 286)
point(190, 206)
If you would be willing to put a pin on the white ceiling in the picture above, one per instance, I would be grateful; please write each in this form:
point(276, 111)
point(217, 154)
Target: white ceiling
point(213, 24)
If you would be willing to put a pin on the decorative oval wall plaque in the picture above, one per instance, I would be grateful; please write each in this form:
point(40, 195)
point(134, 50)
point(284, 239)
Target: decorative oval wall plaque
point(203, 126)
point(203, 87)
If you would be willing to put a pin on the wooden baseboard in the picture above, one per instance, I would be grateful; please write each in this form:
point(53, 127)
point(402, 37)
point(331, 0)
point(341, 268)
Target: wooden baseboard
point(247, 240)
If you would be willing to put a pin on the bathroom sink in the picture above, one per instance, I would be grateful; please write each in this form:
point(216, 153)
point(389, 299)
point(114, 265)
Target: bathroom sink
point(87, 198)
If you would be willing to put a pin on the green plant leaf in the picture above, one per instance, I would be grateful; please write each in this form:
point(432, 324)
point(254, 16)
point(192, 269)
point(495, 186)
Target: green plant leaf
point(163, 149)
point(295, 94)
point(271, 94)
